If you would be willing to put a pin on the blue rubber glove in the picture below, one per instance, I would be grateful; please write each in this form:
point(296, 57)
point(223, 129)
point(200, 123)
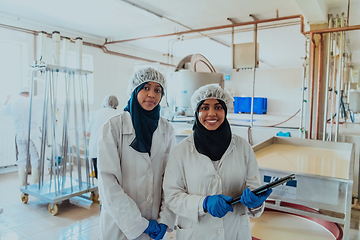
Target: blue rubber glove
point(217, 205)
point(153, 229)
point(162, 232)
point(250, 200)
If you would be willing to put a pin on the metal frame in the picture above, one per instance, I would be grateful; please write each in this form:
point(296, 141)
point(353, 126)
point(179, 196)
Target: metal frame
point(60, 187)
point(337, 204)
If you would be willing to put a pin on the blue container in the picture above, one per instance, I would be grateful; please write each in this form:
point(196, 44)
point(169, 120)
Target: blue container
point(243, 105)
point(260, 105)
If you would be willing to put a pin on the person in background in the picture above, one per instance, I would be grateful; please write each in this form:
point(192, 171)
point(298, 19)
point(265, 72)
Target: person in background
point(209, 168)
point(19, 110)
point(97, 121)
point(132, 156)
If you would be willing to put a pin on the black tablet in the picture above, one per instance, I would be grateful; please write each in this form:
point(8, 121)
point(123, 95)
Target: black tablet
point(265, 187)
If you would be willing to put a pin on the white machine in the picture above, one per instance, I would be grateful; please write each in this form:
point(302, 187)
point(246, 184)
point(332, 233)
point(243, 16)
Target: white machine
point(191, 73)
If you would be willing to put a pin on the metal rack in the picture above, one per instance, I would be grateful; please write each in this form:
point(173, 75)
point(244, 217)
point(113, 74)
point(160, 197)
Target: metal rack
point(331, 196)
point(61, 186)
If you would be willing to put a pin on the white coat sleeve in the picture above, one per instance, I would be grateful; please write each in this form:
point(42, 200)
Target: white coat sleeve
point(5, 109)
point(253, 180)
point(179, 201)
point(166, 216)
point(118, 204)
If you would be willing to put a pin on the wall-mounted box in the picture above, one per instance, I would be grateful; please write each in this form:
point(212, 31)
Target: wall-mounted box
point(244, 55)
point(354, 76)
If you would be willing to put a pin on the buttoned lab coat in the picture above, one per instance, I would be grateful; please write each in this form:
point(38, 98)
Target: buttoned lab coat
point(130, 182)
point(191, 176)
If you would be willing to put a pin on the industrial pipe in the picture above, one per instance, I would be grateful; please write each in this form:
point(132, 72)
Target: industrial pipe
point(318, 88)
point(329, 54)
point(35, 33)
point(339, 80)
point(301, 130)
point(338, 29)
point(312, 74)
point(219, 27)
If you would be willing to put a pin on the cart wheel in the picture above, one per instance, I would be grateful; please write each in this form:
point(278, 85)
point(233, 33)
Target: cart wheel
point(24, 198)
point(94, 197)
point(53, 209)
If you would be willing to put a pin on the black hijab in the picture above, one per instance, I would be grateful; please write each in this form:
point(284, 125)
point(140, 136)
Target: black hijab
point(144, 122)
point(212, 143)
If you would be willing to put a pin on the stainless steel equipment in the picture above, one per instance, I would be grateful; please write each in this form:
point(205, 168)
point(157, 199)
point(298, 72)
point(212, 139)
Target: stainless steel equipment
point(191, 73)
point(320, 184)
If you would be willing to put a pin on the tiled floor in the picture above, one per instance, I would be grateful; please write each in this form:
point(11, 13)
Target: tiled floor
point(32, 221)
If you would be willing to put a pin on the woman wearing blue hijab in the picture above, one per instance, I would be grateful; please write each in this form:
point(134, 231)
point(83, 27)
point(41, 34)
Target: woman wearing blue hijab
point(133, 153)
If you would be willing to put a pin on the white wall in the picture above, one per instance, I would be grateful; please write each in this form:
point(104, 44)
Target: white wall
point(111, 73)
point(281, 87)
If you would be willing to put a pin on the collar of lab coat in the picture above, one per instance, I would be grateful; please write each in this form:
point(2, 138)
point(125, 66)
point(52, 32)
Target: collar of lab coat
point(205, 160)
point(158, 135)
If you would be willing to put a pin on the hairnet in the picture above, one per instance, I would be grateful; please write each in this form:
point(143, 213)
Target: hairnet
point(110, 101)
point(24, 89)
point(210, 91)
point(145, 75)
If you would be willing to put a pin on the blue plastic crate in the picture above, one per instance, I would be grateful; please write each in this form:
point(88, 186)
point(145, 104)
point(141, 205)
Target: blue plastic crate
point(243, 105)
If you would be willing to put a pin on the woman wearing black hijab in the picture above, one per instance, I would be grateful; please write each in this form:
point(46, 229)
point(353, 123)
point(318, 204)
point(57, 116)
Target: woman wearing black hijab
point(133, 152)
point(208, 169)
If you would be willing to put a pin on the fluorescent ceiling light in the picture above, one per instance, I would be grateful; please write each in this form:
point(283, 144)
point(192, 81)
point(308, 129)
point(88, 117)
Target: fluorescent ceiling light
point(143, 10)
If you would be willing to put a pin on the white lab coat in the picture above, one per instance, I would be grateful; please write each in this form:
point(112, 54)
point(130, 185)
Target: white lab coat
point(96, 123)
point(19, 110)
point(191, 176)
point(130, 182)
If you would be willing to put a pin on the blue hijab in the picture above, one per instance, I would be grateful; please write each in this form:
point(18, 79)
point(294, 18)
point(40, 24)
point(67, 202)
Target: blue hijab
point(144, 122)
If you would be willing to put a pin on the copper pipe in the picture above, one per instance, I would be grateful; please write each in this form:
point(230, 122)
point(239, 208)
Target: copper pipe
point(318, 88)
point(105, 50)
point(312, 73)
point(18, 29)
point(218, 27)
point(338, 29)
point(248, 29)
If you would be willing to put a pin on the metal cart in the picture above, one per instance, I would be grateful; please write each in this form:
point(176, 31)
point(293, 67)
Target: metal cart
point(56, 144)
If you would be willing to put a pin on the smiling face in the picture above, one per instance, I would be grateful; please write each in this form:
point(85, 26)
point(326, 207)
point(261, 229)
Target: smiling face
point(150, 95)
point(211, 114)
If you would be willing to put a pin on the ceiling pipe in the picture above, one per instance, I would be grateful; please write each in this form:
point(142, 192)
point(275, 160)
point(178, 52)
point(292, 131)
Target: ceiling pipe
point(105, 50)
point(18, 29)
point(248, 29)
point(169, 19)
point(331, 30)
point(219, 27)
